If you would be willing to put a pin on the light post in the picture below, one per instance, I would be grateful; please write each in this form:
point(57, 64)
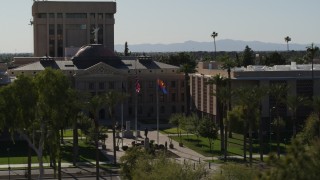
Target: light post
point(9, 168)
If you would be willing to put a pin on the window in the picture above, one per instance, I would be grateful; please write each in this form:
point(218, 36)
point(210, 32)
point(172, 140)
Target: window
point(59, 15)
point(173, 84)
point(182, 109)
point(173, 97)
point(173, 109)
point(130, 110)
point(102, 85)
point(182, 97)
point(150, 97)
point(100, 16)
point(92, 15)
point(109, 15)
point(91, 86)
point(139, 97)
point(151, 84)
point(42, 15)
point(162, 109)
point(140, 110)
point(51, 15)
point(111, 85)
point(76, 15)
point(161, 98)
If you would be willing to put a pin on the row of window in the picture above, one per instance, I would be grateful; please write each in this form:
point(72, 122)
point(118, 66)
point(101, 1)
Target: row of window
point(74, 15)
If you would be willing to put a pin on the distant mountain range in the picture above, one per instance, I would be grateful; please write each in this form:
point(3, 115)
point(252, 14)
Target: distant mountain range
point(222, 45)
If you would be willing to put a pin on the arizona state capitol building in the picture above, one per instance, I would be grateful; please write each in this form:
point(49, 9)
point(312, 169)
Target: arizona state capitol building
point(95, 68)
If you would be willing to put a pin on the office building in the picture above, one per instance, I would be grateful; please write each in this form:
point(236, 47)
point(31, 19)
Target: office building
point(62, 27)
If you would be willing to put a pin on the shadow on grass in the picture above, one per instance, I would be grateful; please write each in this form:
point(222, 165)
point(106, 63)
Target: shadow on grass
point(86, 153)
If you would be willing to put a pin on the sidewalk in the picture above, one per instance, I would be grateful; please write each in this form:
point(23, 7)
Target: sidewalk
point(182, 152)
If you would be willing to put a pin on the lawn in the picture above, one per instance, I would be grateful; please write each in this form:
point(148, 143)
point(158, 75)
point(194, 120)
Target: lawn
point(17, 153)
point(235, 145)
point(172, 131)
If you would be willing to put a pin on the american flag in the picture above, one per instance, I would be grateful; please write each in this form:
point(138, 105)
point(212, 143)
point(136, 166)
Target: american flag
point(137, 85)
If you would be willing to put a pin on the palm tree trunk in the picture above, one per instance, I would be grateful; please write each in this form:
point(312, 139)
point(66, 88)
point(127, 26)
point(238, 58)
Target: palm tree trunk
point(278, 137)
point(261, 139)
point(29, 161)
point(245, 141)
point(229, 102)
point(250, 143)
point(220, 111)
point(225, 143)
point(75, 144)
point(59, 157)
point(187, 93)
point(114, 145)
point(294, 126)
point(96, 129)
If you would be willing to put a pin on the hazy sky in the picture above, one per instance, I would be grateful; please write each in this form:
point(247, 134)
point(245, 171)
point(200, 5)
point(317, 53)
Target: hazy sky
point(168, 21)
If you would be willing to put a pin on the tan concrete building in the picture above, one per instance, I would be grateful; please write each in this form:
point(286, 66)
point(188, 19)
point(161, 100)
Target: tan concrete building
point(297, 77)
point(67, 25)
point(96, 69)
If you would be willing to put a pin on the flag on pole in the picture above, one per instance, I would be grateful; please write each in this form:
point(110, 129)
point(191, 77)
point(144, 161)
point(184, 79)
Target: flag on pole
point(137, 85)
point(162, 86)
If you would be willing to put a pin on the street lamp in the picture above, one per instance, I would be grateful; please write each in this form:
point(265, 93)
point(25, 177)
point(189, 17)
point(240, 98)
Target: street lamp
point(9, 168)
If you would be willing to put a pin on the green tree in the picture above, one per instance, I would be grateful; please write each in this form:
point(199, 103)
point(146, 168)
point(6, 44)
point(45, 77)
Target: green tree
point(207, 129)
point(94, 105)
point(275, 59)
point(300, 162)
point(247, 57)
point(310, 131)
point(312, 51)
point(177, 120)
point(44, 101)
point(249, 98)
point(166, 168)
point(287, 39)
point(214, 35)
point(112, 98)
point(278, 92)
point(188, 66)
point(235, 172)
point(222, 97)
point(293, 103)
point(18, 101)
point(126, 49)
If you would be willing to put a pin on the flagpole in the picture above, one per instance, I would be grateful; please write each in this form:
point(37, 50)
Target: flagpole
point(157, 94)
point(136, 104)
point(122, 108)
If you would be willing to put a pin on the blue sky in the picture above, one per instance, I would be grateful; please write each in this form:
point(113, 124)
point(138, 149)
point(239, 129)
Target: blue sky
point(173, 21)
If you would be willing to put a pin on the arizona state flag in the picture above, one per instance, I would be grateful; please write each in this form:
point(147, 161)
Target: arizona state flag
point(162, 86)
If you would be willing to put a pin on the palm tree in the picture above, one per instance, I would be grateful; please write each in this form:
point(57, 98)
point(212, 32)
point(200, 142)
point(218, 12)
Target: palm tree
point(312, 50)
point(287, 39)
point(112, 98)
point(278, 92)
point(187, 68)
point(228, 64)
point(316, 108)
point(221, 94)
point(214, 35)
point(94, 104)
point(249, 98)
point(293, 103)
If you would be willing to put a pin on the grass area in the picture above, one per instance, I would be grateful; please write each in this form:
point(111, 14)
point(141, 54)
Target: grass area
point(235, 145)
point(172, 131)
point(18, 153)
